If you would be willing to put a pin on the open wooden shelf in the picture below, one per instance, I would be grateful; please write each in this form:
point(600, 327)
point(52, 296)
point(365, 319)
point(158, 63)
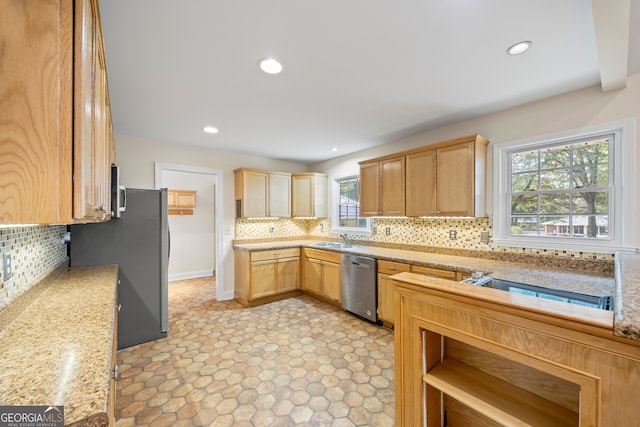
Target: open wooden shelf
point(496, 399)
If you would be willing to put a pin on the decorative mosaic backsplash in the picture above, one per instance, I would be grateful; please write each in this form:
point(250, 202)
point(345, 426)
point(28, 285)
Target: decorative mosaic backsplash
point(35, 252)
point(431, 232)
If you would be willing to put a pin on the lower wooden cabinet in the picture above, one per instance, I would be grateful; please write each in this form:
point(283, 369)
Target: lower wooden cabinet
point(269, 275)
point(478, 357)
point(386, 286)
point(321, 274)
point(265, 276)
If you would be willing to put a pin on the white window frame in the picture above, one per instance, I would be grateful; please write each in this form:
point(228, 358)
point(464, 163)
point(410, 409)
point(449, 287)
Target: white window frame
point(623, 207)
point(335, 194)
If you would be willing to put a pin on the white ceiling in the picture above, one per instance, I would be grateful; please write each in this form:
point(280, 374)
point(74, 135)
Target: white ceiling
point(357, 73)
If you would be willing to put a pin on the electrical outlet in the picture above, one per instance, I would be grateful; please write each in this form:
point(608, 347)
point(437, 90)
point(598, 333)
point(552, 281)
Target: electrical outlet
point(374, 230)
point(272, 228)
point(387, 231)
point(7, 266)
point(453, 234)
point(484, 236)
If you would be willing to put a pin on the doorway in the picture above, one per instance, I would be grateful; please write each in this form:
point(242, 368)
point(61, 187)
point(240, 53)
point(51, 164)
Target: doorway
point(196, 240)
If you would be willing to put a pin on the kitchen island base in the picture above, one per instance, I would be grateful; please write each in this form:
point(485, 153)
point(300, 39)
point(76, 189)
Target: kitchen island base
point(482, 357)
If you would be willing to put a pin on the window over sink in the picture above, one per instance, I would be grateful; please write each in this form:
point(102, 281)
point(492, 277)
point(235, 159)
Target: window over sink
point(346, 206)
point(572, 191)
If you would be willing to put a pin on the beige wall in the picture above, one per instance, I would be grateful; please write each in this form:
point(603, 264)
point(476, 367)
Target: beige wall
point(574, 110)
point(570, 111)
point(136, 158)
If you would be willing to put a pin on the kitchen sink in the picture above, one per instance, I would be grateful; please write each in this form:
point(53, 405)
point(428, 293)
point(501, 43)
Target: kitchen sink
point(332, 245)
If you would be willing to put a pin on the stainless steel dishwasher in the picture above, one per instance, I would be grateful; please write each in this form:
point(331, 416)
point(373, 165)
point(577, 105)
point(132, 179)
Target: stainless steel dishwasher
point(358, 281)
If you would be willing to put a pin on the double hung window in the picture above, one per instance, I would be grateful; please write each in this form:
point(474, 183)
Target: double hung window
point(346, 213)
point(572, 191)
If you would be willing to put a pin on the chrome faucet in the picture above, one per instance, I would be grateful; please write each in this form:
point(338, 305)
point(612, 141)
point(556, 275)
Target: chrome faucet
point(345, 238)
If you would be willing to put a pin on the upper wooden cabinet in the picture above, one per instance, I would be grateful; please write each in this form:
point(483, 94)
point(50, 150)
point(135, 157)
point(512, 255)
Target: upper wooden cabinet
point(309, 195)
point(57, 140)
point(262, 193)
point(181, 202)
point(382, 185)
point(181, 198)
point(446, 179)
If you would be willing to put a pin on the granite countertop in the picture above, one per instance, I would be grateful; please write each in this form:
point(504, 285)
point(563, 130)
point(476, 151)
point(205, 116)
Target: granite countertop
point(58, 350)
point(627, 307)
point(593, 283)
point(625, 324)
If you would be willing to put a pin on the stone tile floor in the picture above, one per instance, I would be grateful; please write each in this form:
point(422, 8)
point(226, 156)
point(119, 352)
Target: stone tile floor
point(296, 362)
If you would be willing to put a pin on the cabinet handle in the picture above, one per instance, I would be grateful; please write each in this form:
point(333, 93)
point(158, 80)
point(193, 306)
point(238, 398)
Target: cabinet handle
point(392, 268)
point(118, 308)
point(115, 375)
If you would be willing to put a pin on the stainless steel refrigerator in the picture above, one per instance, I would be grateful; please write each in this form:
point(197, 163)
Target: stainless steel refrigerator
point(138, 242)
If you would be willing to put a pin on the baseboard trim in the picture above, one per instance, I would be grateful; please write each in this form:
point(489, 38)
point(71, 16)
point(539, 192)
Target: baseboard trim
point(191, 275)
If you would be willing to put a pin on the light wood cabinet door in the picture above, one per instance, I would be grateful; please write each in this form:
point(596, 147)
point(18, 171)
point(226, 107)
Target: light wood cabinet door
point(261, 194)
point(370, 189)
point(288, 277)
point(309, 195)
point(421, 183)
point(446, 179)
point(91, 166)
point(331, 281)
point(35, 111)
point(181, 198)
point(392, 186)
point(279, 195)
point(252, 193)
point(84, 72)
point(386, 307)
point(312, 280)
point(382, 187)
point(263, 278)
point(455, 183)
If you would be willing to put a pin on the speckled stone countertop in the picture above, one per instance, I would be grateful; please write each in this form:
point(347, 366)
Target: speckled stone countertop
point(626, 298)
point(627, 309)
point(58, 350)
point(593, 283)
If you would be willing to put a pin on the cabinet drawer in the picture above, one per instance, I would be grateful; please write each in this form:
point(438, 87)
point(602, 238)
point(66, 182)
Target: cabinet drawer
point(435, 272)
point(275, 254)
point(391, 267)
point(322, 255)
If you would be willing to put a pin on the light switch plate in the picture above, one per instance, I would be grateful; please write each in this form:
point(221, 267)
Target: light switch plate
point(484, 236)
point(7, 266)
point(387, 231)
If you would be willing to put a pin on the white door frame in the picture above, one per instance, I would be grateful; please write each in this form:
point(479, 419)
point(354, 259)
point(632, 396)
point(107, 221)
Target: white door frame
point(159, 167)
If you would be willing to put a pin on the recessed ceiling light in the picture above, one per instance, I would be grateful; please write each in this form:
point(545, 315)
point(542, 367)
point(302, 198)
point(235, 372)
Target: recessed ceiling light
point(519, 48)
point(270, 66)
point(334, 148)
point(210, 129)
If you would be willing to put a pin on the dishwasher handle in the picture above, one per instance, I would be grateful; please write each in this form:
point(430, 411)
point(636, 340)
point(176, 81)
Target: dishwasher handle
point(357, 264)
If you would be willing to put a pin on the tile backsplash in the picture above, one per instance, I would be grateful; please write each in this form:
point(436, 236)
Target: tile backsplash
point(431, 232)
point(35, 251)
